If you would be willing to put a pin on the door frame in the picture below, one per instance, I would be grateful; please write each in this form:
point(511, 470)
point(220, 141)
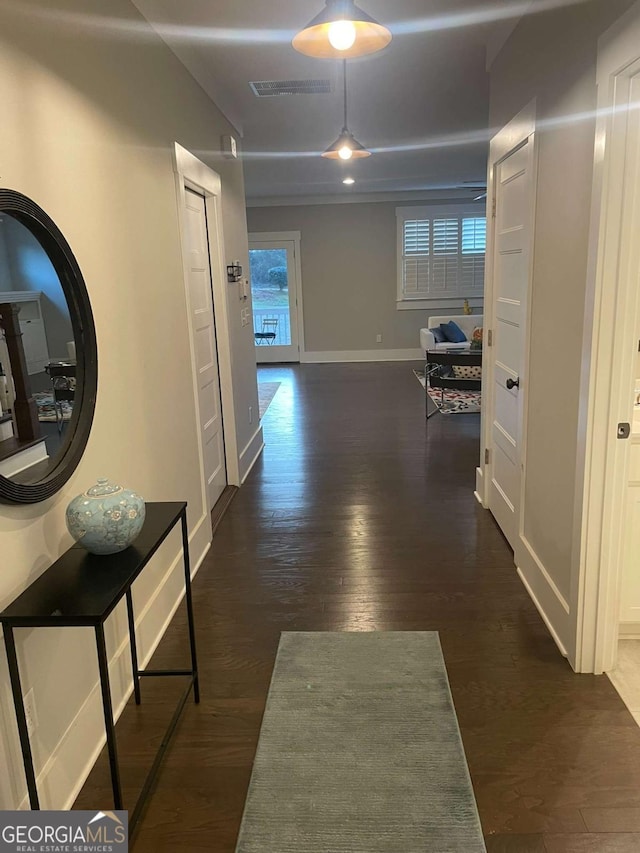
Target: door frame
point(520, 129)
point(612, 320)
point(193, 173)
point(547, 598)
point(294, 237)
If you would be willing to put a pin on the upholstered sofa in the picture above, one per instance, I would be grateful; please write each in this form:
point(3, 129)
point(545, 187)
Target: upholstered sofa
point(467, 322)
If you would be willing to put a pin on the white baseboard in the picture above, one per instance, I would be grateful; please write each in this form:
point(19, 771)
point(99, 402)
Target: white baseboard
point(362, 355)
point(549, 601)
point(541, 611)
point(250, 454)
point(70, 762)
point(479, 487)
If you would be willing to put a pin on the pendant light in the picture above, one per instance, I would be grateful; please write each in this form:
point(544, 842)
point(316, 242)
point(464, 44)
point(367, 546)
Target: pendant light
point(341, 30)
point(346, 146)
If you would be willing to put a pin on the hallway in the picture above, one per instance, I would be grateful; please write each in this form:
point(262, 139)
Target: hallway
point(359, 517)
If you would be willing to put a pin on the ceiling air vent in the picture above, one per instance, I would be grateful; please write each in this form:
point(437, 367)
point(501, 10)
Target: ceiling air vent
point(275, 88)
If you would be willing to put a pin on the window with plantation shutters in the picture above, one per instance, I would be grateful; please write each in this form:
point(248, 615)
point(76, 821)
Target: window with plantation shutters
point(441, 254)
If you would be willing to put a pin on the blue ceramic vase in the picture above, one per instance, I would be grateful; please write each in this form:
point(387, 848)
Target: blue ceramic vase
point(106, 518)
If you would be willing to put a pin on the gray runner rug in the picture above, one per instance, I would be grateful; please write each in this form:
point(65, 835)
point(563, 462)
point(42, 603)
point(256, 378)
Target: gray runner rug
point(360, 751)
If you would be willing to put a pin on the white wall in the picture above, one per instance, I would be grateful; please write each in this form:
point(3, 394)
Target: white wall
point(349, 277)
point(552, 57)
point(90, 115)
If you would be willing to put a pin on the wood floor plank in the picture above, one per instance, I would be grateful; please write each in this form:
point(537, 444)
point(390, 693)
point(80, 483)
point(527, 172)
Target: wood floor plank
point(360, 516)
point(515, 844)
point(616, 842)
point(615, 818)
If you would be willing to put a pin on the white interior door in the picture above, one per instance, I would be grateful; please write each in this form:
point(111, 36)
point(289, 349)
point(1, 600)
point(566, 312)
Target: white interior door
point(274, 295)
point(513, 183)
point(200, 300)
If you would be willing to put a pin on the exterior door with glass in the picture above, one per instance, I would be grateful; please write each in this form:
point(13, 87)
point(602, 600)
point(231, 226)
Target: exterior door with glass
point(274, 294)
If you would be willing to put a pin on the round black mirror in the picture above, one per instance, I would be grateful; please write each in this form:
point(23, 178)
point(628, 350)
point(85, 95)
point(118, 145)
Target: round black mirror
point(48, 353)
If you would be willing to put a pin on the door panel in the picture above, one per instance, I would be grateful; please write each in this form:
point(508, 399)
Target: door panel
point(516, 163)
point(200, 299)
point(508, 343)
point(274, 291)
point(513, 188)
point(508, 425)
point(514, 277)
point(506, 479)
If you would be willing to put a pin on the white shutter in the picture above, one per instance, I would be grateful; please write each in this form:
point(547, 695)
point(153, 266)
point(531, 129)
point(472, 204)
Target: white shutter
point(416, 236)
point(474, 241)
point(472, 274)
point(416, 276)
point(446, 248)
point(416, 257)
point(442, 256)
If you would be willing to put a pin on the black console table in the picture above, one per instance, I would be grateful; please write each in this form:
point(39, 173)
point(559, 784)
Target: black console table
point(82, 590)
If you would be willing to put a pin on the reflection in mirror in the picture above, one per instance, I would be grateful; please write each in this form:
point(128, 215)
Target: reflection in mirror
point(37, 354)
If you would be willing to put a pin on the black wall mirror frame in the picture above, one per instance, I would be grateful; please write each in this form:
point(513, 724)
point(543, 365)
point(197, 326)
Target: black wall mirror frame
point(33, 217)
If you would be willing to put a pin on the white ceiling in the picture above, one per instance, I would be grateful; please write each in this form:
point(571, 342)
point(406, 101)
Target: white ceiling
point(421, 105)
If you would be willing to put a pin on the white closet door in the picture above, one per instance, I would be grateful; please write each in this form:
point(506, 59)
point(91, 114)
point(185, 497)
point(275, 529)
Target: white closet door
point(206, 354)
point(513, 188)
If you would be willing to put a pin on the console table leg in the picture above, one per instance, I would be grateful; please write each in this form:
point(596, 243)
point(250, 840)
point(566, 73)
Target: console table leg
point(105, 686)
point(23, 731)
point(187, 584)
point(133, 647)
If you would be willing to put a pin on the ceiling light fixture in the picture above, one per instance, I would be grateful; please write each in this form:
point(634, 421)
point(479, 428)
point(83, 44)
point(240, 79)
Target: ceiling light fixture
point(348, 181)
point(341, 30)
point(346, 146)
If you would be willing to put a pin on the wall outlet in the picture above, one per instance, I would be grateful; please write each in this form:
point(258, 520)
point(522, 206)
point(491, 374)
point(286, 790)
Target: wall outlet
point(30, 712)
point(378, 339)
point(250, 414)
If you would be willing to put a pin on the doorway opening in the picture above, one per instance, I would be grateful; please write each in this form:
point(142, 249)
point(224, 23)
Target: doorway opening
point(274, 268)
point(205, 349)
point(199, 209)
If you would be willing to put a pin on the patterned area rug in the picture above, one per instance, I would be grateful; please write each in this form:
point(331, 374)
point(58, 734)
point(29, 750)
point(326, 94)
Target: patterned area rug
point(455, 402)
point(46, 409)
point(266, 392)
point(360, 751)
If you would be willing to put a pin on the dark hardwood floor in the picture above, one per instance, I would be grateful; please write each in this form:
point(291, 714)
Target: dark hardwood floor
point(360, 517)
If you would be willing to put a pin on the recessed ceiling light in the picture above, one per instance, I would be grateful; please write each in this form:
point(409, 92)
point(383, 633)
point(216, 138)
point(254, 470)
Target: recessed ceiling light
point(348, 181)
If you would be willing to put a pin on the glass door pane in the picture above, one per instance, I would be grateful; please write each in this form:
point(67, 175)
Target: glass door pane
point(273, 296)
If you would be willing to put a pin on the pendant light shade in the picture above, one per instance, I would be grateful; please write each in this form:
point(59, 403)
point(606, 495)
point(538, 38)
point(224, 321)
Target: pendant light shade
point(346, 146)
point(341, 31)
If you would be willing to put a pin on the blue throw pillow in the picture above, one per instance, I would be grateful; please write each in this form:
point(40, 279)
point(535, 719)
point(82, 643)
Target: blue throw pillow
point(438, 334)
point(453, 333)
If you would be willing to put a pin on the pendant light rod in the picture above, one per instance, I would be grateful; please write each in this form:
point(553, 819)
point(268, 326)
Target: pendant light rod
point(344, 66)
point(346, 146)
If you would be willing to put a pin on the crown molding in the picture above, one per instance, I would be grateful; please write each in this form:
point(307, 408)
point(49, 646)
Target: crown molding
point(442, 195)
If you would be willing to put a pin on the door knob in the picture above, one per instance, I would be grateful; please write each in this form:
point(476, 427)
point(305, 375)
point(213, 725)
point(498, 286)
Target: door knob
point(513, 383)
